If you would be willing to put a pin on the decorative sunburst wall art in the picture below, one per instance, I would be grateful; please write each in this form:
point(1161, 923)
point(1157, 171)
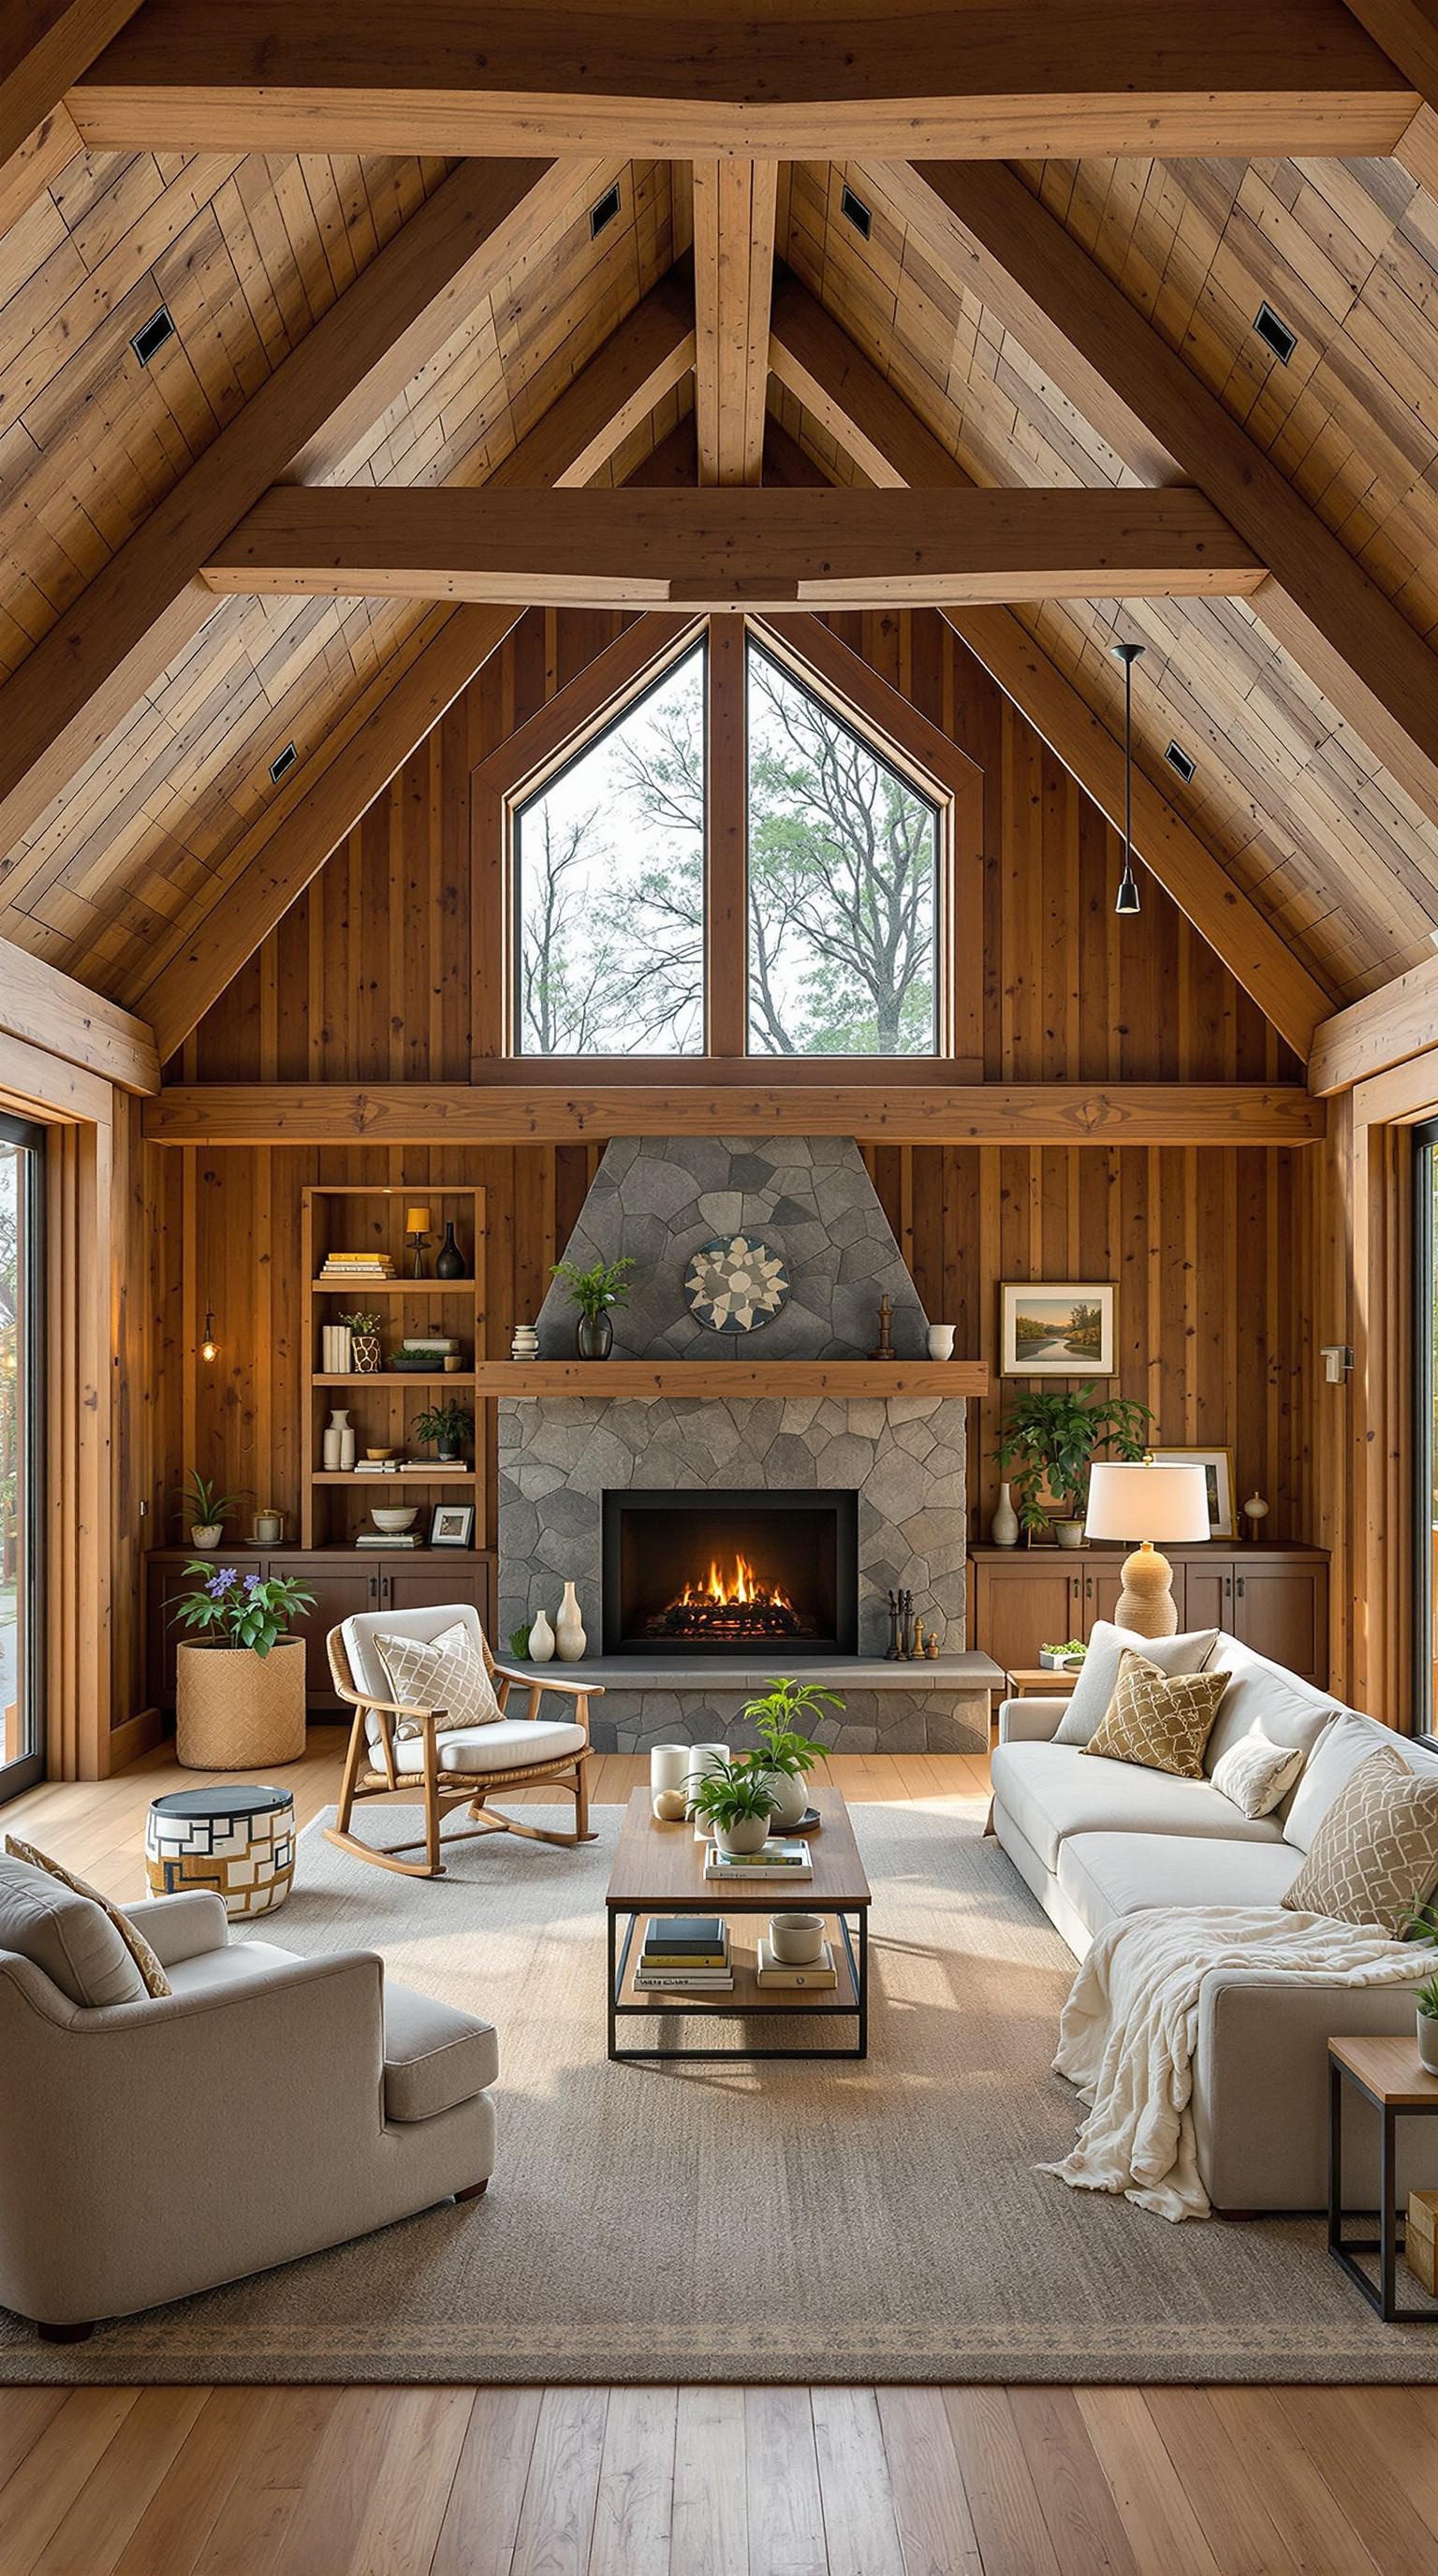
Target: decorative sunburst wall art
point(734, 1286)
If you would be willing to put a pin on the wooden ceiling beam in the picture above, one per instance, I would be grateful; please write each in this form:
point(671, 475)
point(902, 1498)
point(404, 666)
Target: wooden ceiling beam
point(816, 361)
point(47, 1009)
point(990, 235)
point(623, 382)
point(734, 549)
point(734, 212)
point(1050, 78)
point(529, 1111)
point(148, 602)
point(1382, 1030)
point(44, 47)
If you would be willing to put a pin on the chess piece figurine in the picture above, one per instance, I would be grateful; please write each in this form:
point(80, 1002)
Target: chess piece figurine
point(886, 1350)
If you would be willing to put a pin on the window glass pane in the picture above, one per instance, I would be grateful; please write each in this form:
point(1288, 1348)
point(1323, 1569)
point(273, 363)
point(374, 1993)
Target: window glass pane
point(609, 886)
point(20, 1711)
point(843, 870)
point(1425, 1235)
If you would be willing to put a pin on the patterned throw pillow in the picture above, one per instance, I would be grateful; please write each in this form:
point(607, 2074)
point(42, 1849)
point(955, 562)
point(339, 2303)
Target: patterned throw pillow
point(1255, 1774)
point(152, 1975)
point(1160, 1721)
point(1374, 1857)
point(448, 1673)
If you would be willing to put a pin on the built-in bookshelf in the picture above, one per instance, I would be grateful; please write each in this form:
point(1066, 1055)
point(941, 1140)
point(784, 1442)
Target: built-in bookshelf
point(345, 1217)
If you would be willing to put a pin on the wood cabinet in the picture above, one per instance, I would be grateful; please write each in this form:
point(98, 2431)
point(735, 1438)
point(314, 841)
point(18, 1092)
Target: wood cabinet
point(1274, 1599)
point(344, 1581)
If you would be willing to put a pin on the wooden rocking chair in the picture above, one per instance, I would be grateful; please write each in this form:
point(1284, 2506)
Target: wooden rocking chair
point(452, 1768)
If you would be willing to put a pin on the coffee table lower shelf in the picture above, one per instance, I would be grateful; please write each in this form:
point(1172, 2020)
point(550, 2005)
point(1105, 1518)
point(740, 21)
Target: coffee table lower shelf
point(848, 1937)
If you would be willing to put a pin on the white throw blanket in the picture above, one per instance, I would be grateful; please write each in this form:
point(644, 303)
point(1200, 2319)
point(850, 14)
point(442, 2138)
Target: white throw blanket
point(1130, 2027)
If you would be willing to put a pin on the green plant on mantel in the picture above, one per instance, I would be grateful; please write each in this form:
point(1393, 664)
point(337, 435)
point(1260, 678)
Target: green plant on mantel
point(602, 1285)
point(1047, 1440)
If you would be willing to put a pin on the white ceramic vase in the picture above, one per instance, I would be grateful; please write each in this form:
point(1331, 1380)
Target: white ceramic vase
point(1004, 1527)
point(569, 1636)
point(941, 1341)
point(1428, 2042)
point(790, 1793)
point(541, 1640)
point(333, 1438)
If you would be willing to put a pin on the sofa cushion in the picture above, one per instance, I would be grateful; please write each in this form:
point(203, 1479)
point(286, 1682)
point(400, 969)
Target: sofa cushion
point(1052, 1790)
point(449, 1673)
point(1107, 1875)
point(85, 1945)
point(434, 2055)
point(507, 1745)
point(1374, 1856)
point(1098, 1678)
point(1260, 1693)
point(1256, 1774)
point(1347, 1740)
point(1160, 1721)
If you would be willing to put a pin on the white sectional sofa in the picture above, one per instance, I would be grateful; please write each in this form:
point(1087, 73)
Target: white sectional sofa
point(1096, 1839)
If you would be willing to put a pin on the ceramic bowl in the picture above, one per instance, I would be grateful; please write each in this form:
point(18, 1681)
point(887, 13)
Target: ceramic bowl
point(381, 1453)
point(797, 1940)
point(396, 1519)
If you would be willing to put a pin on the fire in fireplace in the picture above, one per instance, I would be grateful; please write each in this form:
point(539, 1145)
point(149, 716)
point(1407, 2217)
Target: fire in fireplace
point(730, 1573)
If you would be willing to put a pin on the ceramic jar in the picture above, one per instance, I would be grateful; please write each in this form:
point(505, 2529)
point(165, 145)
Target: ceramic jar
point(569, 1636)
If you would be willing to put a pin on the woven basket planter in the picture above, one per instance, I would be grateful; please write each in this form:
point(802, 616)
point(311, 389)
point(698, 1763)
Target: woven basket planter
point(239, 1711)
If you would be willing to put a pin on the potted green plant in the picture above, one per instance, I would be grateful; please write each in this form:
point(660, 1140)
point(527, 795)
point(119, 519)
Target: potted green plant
point(448, 1426)
point(1067, 1658)
point(205, 1509)
point(240, 1677)
point(1427, 2001)
point(737, 1800)
point(785, 1756)
point(1047, 1441)
point(594, 1291)
point(365, 1352)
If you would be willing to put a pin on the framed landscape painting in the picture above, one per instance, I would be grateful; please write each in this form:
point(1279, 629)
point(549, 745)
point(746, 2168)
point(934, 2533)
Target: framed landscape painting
point(1062, 1331)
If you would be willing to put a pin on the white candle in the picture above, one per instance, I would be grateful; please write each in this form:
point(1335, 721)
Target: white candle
point(668, 1767)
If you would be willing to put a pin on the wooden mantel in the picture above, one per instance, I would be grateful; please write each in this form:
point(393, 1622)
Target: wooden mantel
point(603, 1379)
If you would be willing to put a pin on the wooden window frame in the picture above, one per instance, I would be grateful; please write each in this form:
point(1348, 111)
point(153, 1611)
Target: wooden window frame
point(590, 705)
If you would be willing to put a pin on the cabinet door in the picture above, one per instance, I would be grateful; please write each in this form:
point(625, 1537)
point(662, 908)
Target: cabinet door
point(1207, 1593)
point(1102, 1585)
point(1031, 1603)
point(460, 1576)
point(1281, 1611)
point(341, 1592)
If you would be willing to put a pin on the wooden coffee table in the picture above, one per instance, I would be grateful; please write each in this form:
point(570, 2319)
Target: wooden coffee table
point(659, 1869)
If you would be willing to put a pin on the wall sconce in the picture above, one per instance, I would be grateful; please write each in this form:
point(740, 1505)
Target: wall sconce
point(1337, 1361)
point(209, 1347)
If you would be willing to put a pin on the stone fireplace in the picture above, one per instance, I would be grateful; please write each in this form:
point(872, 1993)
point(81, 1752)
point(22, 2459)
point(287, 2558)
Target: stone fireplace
point(820, 1503)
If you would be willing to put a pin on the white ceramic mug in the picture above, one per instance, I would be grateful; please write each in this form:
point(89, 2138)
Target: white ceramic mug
point(797, 1940)
point(668, 1766)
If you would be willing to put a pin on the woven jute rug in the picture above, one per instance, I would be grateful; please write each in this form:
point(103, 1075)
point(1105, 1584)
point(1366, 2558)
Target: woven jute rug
point(881, 2221)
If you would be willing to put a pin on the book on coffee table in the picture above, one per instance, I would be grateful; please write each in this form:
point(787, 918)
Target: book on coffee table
point(772, 1972)
point(776, 1860)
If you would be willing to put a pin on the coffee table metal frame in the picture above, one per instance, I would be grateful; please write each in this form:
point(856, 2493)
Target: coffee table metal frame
point(1381, 2294)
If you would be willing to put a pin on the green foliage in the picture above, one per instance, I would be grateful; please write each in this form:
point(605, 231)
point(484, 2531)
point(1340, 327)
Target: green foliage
point(448, 1424)
point(1073, 1647)
point(360, 1321)
point(519, 1641)
point(202, 1503)
point(1427, 1999)
point(240, 1610)
point(1049, 1437)
point(732, 1791)
point(602, 1284)
point(782, 1748)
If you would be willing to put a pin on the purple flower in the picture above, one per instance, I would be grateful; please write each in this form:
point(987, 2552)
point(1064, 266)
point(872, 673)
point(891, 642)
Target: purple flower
point(219, 1584)
point(253, 1582)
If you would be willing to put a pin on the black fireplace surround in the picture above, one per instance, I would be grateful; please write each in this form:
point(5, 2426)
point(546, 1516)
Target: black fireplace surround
point(696, 1572)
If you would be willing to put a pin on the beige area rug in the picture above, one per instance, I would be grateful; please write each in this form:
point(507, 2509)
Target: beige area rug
point(881, 2221)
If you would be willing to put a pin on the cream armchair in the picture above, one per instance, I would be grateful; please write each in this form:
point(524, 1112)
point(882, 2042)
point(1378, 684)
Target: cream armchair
point(268, 2107)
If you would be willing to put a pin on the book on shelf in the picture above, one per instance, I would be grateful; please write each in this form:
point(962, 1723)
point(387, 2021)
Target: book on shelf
point(687, 1940)
point(388, 1538)
point(682, 1981)
point(380, 1466)
point(777, 1860)
point(445, 1345)
point(776, 1973)
point(357, 1265)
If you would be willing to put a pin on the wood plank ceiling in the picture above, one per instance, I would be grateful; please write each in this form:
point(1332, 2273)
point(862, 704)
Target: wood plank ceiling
point(248, 251)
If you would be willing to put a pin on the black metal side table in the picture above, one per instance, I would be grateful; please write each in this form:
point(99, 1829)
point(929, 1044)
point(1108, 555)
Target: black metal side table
point(1387, 2073)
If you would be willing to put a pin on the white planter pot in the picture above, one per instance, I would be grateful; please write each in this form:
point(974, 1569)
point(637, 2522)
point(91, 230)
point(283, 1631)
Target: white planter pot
point(206, 1536)
point(750, 1834)
point(1428, 2042)
point(791, 1800)
point(1069, 1533)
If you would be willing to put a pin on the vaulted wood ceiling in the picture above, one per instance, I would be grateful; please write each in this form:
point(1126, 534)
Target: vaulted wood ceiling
point(1315, 793)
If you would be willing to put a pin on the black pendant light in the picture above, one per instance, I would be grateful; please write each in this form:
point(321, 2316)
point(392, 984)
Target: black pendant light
point(1127, 898)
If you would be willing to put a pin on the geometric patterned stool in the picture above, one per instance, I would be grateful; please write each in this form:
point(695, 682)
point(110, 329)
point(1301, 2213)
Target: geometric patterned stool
point(238, 1841)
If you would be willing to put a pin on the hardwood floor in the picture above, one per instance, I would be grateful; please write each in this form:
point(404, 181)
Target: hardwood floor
point(713, 2481)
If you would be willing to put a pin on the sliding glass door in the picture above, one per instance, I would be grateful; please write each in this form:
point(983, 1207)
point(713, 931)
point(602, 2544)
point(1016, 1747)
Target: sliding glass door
point(22, 1449)
point(1425, 1381)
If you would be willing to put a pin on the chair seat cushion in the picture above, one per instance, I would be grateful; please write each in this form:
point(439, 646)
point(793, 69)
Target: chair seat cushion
point(1105, 1875)
point(507, 1745)
point(1052, 1790)
point(434, 2055)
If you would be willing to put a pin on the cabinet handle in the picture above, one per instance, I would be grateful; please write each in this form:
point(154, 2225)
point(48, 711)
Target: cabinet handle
point(1240, 1587)
point(374, 1587)
point(1088, 1587)
point(1228, 1587)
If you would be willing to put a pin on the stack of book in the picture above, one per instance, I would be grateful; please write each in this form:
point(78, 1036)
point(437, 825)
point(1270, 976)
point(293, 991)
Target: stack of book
point(777, 1860)
point(380, 1466)
point(389, 1538)
point(774, 1972)
point(357, 1267)
point(686, 1953)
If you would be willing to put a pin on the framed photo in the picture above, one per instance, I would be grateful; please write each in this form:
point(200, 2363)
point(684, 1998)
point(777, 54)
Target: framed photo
point(1217, 1465)
point(1056, 1331)
point(451, 1525)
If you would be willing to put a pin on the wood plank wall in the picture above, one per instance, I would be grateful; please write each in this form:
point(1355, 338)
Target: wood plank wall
point(368, 979)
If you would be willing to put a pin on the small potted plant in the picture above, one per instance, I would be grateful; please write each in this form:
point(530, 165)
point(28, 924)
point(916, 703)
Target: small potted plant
point(365, 1353)
point(206, 1509)
point(448, 1426)
point(240, 1679)
point(1066, 1658)
point(1047, 1441)
point(785, 1756)
point(737, 1800)
point(1427, 2000)
point(594, 1291)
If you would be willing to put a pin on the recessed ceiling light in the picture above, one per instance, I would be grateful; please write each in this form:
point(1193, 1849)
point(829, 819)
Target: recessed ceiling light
point(1275, 334)
point(1178, 759)
point(283, 762)
point(148, 343)
point(857, 213)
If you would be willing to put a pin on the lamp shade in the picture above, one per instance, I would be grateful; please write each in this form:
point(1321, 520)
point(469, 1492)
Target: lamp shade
point(416, 1220)
point(1149, 1500)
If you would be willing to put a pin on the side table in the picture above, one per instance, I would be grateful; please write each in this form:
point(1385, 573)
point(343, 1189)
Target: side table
point(1387, 2073)
point(1032, 1681)
point(238, 1841)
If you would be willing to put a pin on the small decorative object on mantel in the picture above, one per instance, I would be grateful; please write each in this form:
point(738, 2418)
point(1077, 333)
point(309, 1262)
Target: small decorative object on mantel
point(525, 1345)
point(1004, 1527)
point(920, 1644)
point(886, 1350)
point(268, 1528)
point(1255, 1512)
point(735, 1287)
point(541, 1640)
point(901, 1624)
point(941, 1341)
point(594, 1291)
point(416, 1235)
point(519, 1643)
point(206, 1509)
point(932, 1647)
point(569, 1636)
point(448, 1426)
point(449, 1261)
point(365, 1353)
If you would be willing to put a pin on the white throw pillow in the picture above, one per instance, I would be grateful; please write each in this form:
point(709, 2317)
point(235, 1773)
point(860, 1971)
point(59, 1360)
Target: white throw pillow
point(1345, 1742)
point(1097, 1682)
point(1255, 1774)
point(1261, 1693)
point(448, 1672)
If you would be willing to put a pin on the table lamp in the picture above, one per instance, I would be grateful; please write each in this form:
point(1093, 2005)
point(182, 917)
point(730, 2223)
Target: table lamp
point(1147, 1500)
point(416, 1235)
